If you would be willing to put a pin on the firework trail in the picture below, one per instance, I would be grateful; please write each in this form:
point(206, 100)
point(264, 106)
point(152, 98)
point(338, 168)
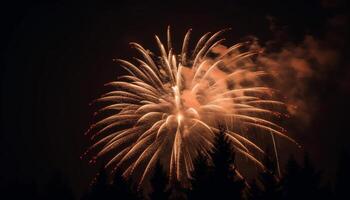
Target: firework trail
point(169, 108)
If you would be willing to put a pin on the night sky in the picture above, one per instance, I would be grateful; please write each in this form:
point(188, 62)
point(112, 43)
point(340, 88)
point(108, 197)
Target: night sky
point(57, 55)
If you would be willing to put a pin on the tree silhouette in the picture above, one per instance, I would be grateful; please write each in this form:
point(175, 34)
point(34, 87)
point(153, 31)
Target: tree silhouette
point(217, 180)
point(291, 180)
point(122, 189)
point(266, 186)
point(201, 183)
point(311, 178)
point(303, 182)
point(178, 191)
point(118, 189)
point(159, 183)
point(224, 180)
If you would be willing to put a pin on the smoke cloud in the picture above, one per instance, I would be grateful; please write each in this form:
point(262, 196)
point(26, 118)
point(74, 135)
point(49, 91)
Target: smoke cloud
point(298, 65)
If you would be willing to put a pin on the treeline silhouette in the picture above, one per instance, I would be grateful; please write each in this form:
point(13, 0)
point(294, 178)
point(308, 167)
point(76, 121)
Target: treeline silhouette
point(220, 180)
point(217, 180)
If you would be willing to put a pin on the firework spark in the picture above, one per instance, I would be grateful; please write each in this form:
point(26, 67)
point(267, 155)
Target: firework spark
point(169, 108)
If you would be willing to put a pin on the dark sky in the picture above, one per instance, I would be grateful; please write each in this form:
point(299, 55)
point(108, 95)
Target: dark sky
point(57, 56)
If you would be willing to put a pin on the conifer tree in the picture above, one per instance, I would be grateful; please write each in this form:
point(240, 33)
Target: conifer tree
point(219, 180)
point(266, 186)
point(159, 183)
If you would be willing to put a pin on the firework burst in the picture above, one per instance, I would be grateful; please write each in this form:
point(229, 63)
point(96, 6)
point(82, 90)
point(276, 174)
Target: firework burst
point(169, 108)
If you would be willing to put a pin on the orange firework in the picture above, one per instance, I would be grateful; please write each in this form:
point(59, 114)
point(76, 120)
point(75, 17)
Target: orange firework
point(170, 107)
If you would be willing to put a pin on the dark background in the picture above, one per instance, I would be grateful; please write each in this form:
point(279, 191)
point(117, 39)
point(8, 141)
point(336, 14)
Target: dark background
point(57, 55)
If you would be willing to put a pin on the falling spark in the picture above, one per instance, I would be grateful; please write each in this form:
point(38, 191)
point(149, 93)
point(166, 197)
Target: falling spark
point(169, 108)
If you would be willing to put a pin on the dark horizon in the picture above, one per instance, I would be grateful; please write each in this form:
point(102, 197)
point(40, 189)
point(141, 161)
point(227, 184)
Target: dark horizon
point(58, 55)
